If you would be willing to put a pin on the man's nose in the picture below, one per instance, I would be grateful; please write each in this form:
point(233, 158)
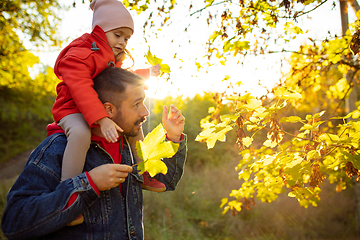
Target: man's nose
point(145, 112)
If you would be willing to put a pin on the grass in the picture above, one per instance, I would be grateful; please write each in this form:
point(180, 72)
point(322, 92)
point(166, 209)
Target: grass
point(193, 212)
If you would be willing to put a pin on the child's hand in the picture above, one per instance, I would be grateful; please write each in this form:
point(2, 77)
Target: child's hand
point(174, 123)
point(109, 129)
point(155, 70)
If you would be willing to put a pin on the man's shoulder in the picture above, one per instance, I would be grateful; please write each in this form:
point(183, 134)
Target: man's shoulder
point(52, 145)
point(47, 156)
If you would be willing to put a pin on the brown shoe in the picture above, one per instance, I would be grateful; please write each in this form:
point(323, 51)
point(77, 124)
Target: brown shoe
point(152, 184)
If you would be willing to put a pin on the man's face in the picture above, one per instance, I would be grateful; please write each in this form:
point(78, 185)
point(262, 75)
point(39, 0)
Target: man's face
point(132, 112)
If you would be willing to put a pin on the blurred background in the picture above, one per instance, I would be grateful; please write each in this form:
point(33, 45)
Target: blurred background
point(32, 33)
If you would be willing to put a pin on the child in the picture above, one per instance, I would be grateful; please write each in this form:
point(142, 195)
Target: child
point(77, 107)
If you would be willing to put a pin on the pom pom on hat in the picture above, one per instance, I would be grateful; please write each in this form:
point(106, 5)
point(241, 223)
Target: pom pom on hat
point(111, 14)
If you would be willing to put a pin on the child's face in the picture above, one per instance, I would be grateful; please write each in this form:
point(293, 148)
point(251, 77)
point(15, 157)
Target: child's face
point(118, 39)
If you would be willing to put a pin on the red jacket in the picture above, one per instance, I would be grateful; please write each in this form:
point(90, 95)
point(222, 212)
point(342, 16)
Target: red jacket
point(76, 65)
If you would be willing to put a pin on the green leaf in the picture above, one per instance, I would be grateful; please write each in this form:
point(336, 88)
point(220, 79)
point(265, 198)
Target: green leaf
point(153, 149)
point(153, 60)
point(251, 104)
point(346, 117)
point(245, 174)
point(313, 127)
point(316, 115)
point(313, 154)
point(294, 170)
point(165, 68)
point(214, 35)
point(291, 119)
point(354, 158)
point(209, 2)
point(284, 93)
point(247, 141)
point(269, 143)
point(223, 202)
point(329, 138)
point(212, 133)
point(268, 159)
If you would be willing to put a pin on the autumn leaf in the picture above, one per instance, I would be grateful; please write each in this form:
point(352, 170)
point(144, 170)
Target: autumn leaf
point(291, 119)
point(153, 60)
point(247, 141)
point(212, 133)
point(152, 149)
point(284, 93)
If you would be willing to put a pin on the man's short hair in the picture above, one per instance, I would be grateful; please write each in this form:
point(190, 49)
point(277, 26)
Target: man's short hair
point(111, 83)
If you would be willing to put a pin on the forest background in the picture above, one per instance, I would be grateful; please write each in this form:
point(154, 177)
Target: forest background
point(293, 181)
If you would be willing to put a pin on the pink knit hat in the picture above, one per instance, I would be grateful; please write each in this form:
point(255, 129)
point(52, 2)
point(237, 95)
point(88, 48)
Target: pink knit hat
point(110, 14)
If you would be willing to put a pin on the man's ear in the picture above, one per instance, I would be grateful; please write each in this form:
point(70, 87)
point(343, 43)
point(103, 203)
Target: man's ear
point(110, 109)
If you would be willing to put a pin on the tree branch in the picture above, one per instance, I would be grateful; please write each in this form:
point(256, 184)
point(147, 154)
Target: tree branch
point(303, 13)
point(355, 5)
point(200, 10)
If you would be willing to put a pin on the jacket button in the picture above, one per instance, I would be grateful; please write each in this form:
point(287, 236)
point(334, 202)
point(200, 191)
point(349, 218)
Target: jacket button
point(83, 184)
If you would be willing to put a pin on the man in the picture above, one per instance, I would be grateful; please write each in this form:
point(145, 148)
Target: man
point(107, 195)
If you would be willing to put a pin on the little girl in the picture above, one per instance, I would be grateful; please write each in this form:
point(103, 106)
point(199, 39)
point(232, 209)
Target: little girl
point(77, 107)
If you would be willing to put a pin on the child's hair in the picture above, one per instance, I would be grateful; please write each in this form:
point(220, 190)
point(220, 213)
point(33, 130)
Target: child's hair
point(123, 56)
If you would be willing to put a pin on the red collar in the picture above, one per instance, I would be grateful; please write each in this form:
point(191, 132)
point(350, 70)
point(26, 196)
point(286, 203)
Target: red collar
point(114, 149)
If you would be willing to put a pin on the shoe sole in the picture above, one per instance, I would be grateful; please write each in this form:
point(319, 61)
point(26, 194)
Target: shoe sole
point(153, 189)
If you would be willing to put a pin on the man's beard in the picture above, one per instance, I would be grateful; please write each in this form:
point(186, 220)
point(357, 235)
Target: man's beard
point(134, 131)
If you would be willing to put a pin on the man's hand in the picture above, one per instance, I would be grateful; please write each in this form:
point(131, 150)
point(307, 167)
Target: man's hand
point(174, 123)
point(110, 175)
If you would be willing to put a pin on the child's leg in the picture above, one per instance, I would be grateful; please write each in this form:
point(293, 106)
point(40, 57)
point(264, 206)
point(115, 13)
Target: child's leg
point(79, 137)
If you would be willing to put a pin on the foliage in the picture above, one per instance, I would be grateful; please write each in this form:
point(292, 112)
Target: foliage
point(323, 141)
point(320, 146)
point(323, 137)
point(193, 109)
point(192, 211)
point(27, 88)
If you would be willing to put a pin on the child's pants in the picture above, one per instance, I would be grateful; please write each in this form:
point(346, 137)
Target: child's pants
point(78, 135)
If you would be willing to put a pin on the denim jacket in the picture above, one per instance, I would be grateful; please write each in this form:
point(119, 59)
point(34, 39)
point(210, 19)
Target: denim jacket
point(36, 202)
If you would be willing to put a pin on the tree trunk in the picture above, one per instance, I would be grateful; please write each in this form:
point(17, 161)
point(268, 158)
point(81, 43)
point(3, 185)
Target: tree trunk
point(350, 102)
